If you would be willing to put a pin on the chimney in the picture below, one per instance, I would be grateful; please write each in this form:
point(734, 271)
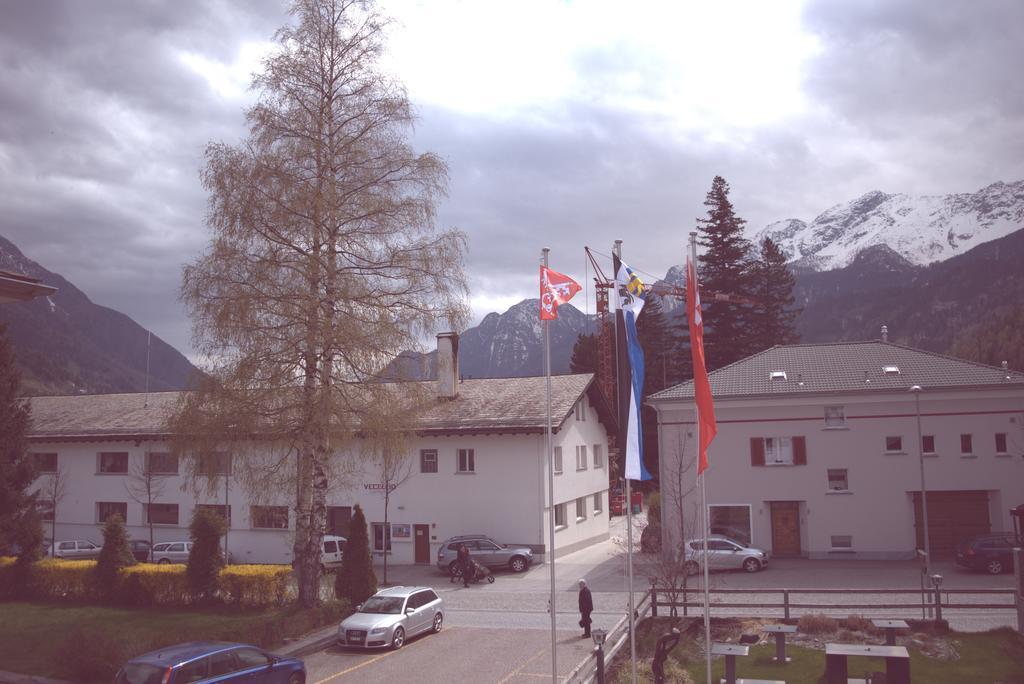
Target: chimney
point(447, 365)
point(885, 333)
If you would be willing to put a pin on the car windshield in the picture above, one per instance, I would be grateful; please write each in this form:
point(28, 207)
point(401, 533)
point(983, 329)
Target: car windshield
point(383, 604)
point(140, 673)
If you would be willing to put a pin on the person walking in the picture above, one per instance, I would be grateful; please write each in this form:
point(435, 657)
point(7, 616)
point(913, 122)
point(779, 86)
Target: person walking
point(465, 564)
point(586, 602)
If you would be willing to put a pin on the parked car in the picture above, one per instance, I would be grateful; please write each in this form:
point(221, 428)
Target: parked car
point(211, 661)
point(391, 616)
point(78, 549)
point(140, 549)
point(724, 554)
point(484, 551)
point(992, 553)
point(334, 548)
point(170, 552)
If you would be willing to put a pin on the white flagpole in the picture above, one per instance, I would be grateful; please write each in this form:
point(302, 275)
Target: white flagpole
point(551, 490)
point(629, 519)
point(703, 494)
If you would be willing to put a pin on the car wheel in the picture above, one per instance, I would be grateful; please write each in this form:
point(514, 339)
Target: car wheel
point(398, 639)
point(751, 565)
point(691, 568)
point(438, 622)
point(518, 564)
point(994, 566)
point(453, 569)
point(164, 561)
point(296, 679)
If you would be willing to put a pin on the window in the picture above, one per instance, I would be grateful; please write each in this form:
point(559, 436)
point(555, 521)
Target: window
point(841, 541)
point(250, 657)
point(47, 463)
point(195, 671)
point(894, 444)
point(558, 459)
point(891, 370)
point(466, 464)
point(1001, 443)
point(598, 503)
point(161, 463)
point(928, 444)
point(560, 515)
point(778, 451)
point(581, 509)
point(777, 375)
point(581, 409)
point(599, 456)
point(161, 514)
point(113, 462)
point(380, 537)
point(105, 509)
point(428, 460)
point(46, 509)
point(837, 481)
point(835, 416)
point(215, 463)
point(731, 521)
point(269, 517)
point(581, 457)
point(220, 509)
point(966, 444)
point(221, 664)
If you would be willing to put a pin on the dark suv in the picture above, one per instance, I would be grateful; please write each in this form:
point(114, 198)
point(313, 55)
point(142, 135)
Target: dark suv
point(992, 553)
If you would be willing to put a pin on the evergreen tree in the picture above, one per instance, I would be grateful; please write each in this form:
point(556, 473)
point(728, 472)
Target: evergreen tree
point(205, 560)
point(28, 537)
point(998, 338)
point(775, 321)
point(584, 354)
point(355, 579)
point(17, 471)
point(114, 555)
point(725, 268)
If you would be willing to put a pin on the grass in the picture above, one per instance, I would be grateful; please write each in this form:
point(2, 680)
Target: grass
point(83, 643)
point(984, 658)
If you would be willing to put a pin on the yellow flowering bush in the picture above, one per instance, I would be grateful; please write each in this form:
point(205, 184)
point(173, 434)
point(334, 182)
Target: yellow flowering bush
point(70, 579)
point(146, 584)
point(255, 585)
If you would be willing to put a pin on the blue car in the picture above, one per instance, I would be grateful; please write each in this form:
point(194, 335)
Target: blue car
point(211, 661)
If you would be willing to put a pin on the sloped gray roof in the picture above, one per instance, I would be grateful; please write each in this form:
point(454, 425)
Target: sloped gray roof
point(844, 367)
point(487, 405)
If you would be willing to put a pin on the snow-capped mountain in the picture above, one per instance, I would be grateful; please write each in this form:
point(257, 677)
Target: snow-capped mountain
point(923, 229)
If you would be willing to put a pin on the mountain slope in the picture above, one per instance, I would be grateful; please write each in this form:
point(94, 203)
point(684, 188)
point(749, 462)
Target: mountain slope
point(923, 229)
point(67, 344)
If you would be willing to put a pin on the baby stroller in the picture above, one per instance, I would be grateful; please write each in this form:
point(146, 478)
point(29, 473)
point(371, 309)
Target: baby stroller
point(480, 572)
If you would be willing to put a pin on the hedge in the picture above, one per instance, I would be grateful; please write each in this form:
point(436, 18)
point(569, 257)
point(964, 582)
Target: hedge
point(150, 585)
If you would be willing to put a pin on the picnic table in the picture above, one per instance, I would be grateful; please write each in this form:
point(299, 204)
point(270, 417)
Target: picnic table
point(780, 632)
point(890, 627)
point(730, 651)
point(897, 662)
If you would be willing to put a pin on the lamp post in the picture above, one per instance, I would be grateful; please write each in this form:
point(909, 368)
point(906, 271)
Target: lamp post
point(599, 635)
point(916, 389)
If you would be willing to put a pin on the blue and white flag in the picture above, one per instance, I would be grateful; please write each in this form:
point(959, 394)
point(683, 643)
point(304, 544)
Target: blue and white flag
point(630, 297)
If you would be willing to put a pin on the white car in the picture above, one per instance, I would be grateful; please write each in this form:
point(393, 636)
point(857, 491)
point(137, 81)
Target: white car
point(724, 554)
point(79, 549)
point(170, 552)
point(391, 616)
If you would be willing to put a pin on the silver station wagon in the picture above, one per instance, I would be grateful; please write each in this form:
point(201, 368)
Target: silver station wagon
point(391, 616)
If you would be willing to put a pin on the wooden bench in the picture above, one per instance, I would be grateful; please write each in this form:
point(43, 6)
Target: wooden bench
point(890, 627)
point(897, 662)
point(780, 632)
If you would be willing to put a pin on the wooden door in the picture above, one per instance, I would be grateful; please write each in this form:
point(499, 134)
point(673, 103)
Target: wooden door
point(422, 537)
point(785, 528)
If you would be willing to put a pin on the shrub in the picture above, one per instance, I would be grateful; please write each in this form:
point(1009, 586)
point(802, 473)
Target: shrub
point(255, 585)
point(817, 623)
point(155, 585)
point(29, 536)
point(355, 580)
point(654, 509)
point(94, 655)
point(205, 560)
point(114, 555)
point(64, 579)
point(858, 623)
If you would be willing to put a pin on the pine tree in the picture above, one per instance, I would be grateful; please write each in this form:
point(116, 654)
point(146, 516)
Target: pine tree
point(17, 471)
point(114, 555)
point(775, 321)
point(355, 579)
point(725, 268)
point(584, 354)
point(205, 560)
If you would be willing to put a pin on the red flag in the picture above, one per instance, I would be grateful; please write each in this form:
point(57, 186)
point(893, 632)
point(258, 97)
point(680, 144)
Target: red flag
point(706, 423)
point(555, 289)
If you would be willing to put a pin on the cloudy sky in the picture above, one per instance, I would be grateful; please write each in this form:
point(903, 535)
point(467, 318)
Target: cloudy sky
point(564, 123)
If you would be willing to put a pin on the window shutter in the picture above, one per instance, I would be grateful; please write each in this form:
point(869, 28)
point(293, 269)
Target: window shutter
point(756, 451)
point(799, 451)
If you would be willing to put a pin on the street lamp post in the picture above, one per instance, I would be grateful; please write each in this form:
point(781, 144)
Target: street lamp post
point(916, 389)
point(599, 635)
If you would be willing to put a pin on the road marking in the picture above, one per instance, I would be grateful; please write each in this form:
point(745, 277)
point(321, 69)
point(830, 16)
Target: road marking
point(519, 670)
point(368, 662)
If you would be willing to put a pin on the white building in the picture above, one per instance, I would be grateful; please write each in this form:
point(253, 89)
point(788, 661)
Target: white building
point(816, 453)
point(478, 466)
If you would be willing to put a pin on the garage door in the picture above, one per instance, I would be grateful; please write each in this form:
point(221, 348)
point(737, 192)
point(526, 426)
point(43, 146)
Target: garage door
point(952, 516)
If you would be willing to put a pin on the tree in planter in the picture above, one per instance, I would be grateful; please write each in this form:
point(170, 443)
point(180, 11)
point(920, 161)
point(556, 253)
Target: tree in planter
point(17, 472)
point(356, 580)
point(205, 560)
point(114, 555)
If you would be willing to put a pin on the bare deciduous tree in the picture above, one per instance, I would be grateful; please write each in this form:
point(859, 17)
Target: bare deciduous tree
point(54, 489)
point(145, 485)
point(325, 263)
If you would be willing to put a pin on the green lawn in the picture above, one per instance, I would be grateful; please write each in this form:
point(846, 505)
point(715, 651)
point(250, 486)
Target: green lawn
point(83, 643)
point(984, 658)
